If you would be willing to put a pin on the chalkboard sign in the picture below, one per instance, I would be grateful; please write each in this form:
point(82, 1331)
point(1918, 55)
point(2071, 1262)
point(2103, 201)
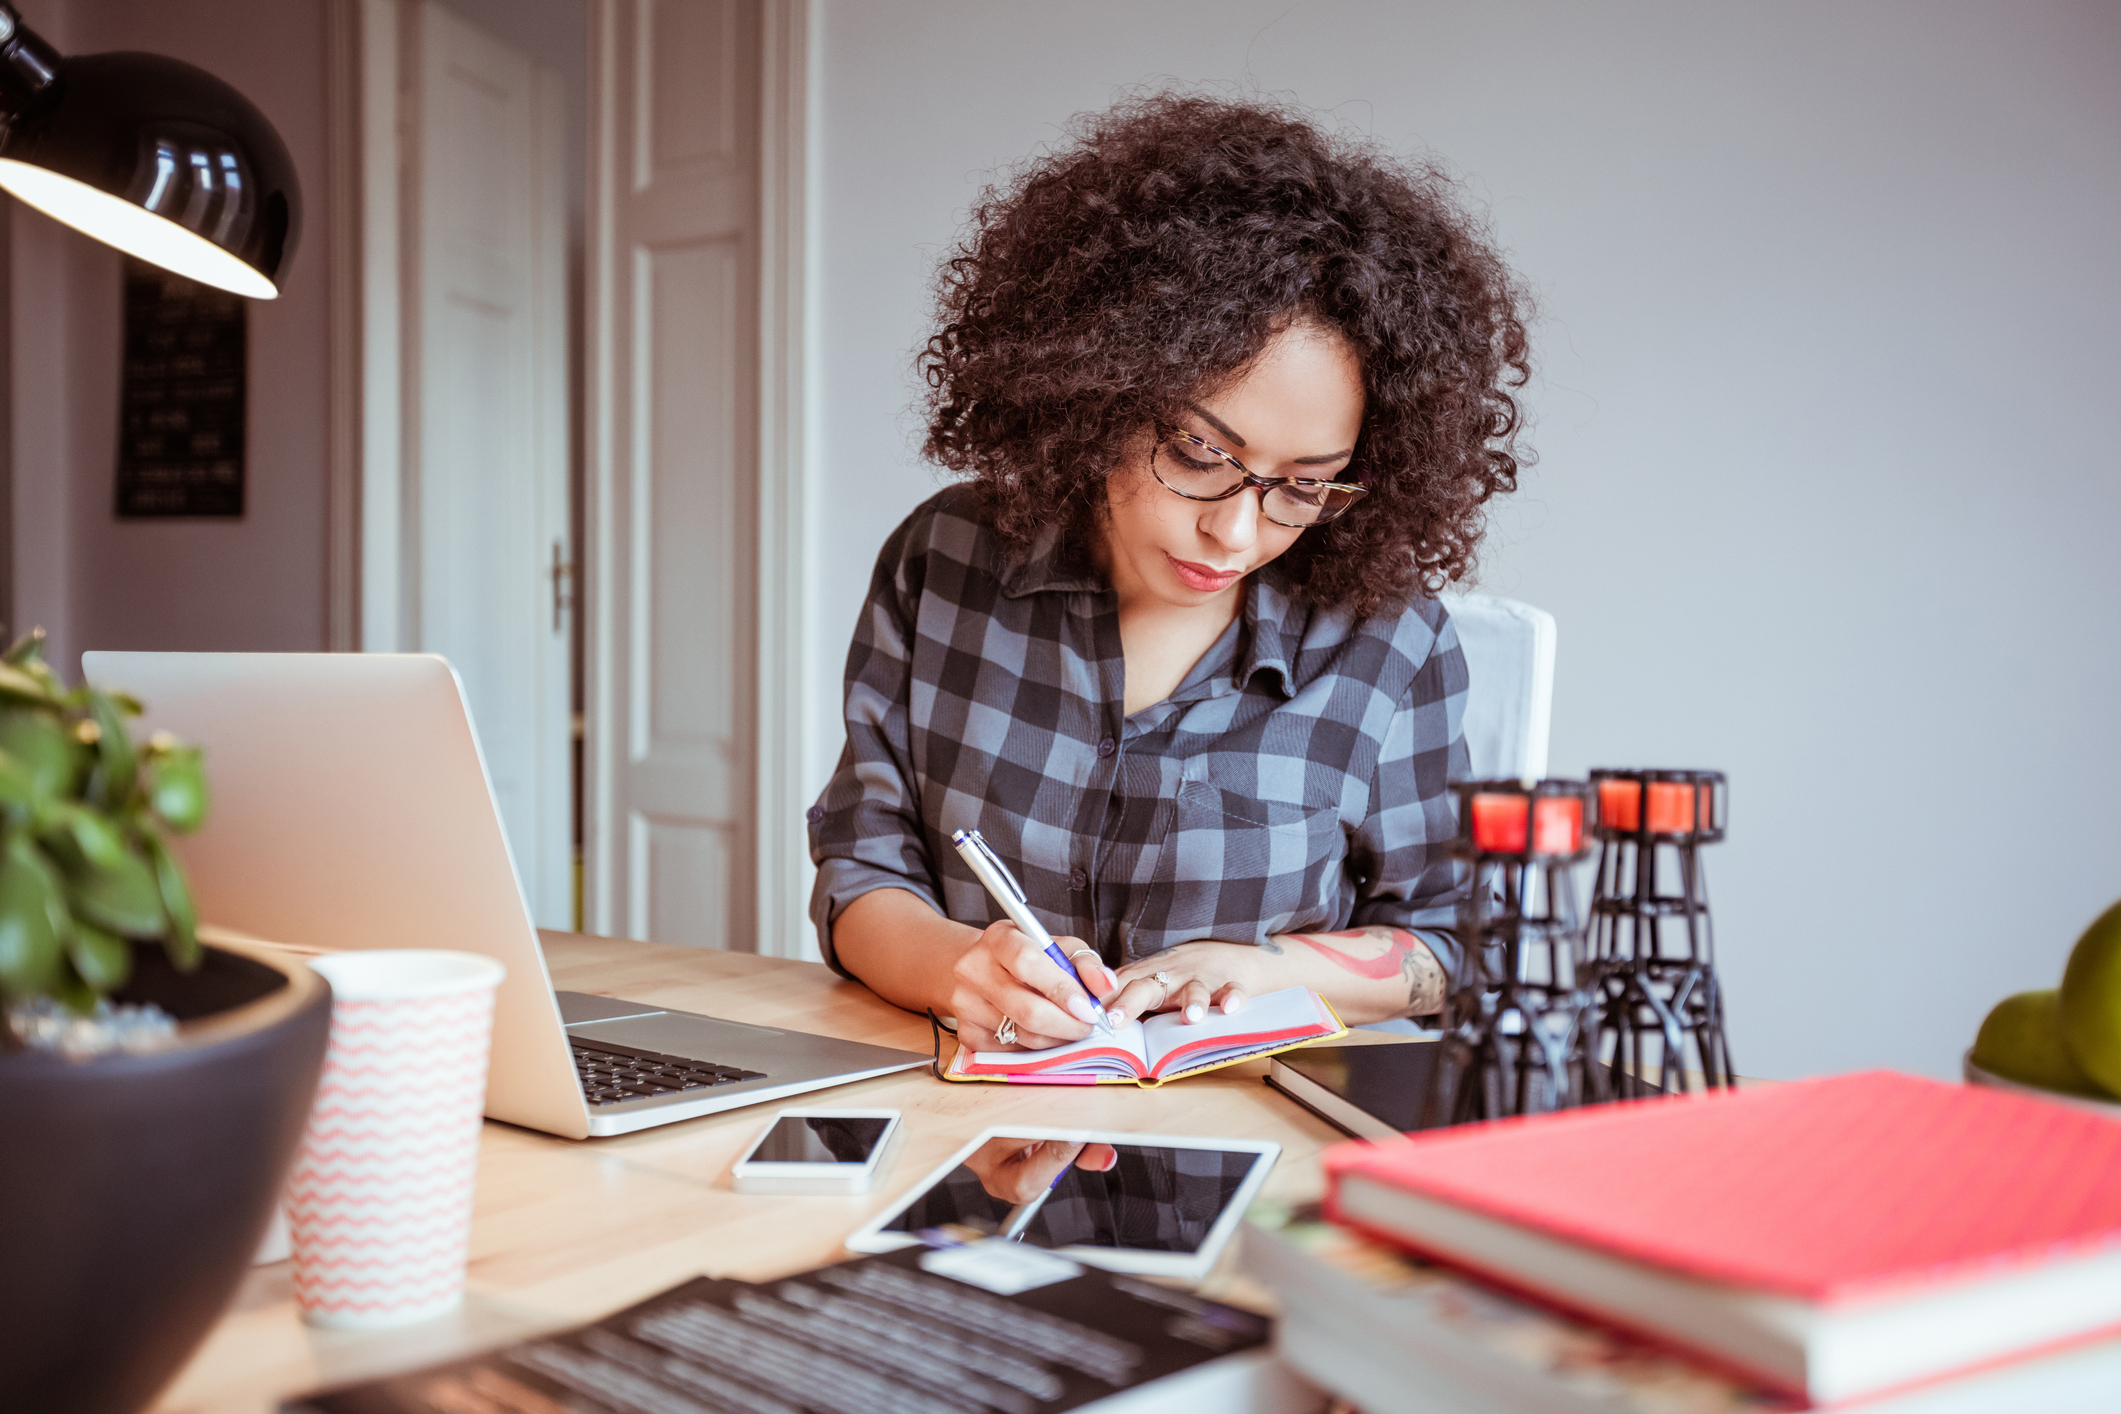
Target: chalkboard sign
point(180, 414)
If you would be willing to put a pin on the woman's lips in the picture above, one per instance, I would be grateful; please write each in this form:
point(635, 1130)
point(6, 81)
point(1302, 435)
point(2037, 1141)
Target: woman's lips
point(1201, 577)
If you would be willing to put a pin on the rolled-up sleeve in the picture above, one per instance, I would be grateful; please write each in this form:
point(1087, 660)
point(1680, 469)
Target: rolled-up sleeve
point(1401, 852)
point(865, 829)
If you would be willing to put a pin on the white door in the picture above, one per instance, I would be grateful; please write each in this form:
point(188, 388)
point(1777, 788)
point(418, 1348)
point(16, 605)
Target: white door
point(485, 395)
point(673, 469)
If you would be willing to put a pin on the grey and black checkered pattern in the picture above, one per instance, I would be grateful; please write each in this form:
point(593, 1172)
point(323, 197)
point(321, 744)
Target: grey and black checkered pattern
point(1293, 783)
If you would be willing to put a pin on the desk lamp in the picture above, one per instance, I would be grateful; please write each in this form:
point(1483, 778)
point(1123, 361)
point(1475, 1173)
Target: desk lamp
point(1518, 1025)
point(1651, 940)
point(151, 155)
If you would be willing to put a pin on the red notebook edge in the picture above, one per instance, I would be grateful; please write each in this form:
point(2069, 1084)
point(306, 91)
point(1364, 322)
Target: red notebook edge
point(1034, 1066)
point(1392, 1160)
point(1708, 1359)
point(1253, 1041)
point(1386, 1162)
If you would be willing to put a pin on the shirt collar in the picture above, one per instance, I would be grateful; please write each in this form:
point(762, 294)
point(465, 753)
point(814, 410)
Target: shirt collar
point(1045, 568)
point(1267, 606)
point(1269, 636)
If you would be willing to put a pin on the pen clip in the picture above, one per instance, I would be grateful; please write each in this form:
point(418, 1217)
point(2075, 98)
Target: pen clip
point(978, 842)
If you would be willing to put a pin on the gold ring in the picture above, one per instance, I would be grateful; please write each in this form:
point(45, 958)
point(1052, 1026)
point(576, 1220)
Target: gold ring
point(1164, 981)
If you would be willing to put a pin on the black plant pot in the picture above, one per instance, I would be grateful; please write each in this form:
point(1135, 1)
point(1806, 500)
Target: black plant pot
point(134, 1190)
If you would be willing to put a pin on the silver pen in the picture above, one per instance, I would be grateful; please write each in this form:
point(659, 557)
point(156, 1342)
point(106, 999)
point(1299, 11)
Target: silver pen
point(987, 867)
point(1019, 1220)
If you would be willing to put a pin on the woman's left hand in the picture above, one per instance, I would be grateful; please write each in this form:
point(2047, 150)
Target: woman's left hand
point(1205, 974)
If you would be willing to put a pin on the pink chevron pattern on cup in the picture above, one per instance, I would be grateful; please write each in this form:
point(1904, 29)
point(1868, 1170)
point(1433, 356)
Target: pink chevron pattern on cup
point(379, 1200)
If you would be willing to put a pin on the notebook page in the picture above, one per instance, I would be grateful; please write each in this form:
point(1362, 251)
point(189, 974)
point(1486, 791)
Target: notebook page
point(1261, 1022)
point(1093, 1055)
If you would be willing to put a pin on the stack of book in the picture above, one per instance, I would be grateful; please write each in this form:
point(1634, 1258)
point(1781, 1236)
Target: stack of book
point(1875, 1241)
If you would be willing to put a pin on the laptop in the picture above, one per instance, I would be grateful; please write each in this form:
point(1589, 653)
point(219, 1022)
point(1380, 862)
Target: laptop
point(351, 809)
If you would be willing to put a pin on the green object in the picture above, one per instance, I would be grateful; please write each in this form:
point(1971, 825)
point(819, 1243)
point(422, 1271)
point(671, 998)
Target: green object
point(85, 872)
point(2021, 1040)
point(2091, 1000)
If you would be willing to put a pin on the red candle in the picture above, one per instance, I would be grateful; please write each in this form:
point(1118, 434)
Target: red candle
point(1557, 825)
point(1671, 805)
point(1620, 804)
point(1499, 823)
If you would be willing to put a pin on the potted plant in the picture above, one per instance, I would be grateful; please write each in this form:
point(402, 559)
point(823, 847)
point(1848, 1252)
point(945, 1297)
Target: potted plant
point(152, 1090)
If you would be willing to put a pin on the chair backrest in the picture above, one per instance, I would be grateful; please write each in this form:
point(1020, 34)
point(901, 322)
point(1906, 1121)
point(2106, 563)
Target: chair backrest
point(1509, 650)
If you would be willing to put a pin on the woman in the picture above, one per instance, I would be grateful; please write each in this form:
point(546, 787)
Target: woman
point(1228, 396)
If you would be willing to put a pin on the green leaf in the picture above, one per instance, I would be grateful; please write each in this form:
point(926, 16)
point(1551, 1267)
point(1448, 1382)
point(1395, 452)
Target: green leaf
point(25, 687)
point(100, 843)
point(102, 961)
point(114, 751)
point(45, 748)
point(32, 950)
point(74, 994)
point(178, 789)
point(182, 940)
point(121, 896)
point(16, 785)
point(29, 648)
point(51, 821)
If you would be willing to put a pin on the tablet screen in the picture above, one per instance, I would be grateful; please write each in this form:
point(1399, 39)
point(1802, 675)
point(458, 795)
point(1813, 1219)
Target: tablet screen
point(1068, 1193)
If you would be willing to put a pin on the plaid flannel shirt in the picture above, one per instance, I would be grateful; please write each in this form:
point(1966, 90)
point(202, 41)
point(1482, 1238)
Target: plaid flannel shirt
point(1293, 783)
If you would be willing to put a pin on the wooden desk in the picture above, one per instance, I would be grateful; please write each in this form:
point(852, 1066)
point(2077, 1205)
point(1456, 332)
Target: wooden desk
point(565, 1232)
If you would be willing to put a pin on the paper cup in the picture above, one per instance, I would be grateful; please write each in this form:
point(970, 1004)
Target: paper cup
point(380, 1196)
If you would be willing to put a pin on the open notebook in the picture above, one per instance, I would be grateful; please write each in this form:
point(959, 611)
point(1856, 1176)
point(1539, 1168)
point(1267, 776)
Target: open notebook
point(1164, 1047)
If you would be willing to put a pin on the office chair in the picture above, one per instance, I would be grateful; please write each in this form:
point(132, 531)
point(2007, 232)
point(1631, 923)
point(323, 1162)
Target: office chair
point(1509, 650)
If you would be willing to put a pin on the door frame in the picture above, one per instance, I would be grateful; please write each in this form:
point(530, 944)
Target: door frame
point(782, 550)
point(343, 179)
point(364, 541)
point(789, 346)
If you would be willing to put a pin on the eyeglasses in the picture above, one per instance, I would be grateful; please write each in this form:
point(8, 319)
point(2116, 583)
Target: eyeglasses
point(1200, 471)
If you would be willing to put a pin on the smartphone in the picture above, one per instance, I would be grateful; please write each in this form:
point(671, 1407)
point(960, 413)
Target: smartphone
point(819, 1151)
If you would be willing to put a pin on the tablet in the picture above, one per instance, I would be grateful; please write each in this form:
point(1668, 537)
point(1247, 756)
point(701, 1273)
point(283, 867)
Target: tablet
point(1156, 1204)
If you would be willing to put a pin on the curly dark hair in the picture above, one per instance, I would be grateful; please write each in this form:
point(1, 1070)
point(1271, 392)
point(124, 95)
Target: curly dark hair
point(1147, 263)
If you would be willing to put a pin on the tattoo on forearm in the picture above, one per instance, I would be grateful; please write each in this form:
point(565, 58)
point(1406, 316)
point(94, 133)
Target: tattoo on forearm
point(1376, 965)
point(1425, 979)
point(1379, 953)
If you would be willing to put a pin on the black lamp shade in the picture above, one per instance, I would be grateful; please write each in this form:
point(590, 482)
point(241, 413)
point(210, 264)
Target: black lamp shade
point(162, 160)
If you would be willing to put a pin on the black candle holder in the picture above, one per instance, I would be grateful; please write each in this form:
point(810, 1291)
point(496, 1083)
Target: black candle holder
point(1519, 1022)
point(1653, 947)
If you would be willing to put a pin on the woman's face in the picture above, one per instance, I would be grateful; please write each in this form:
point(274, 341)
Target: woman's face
point(1296, 412)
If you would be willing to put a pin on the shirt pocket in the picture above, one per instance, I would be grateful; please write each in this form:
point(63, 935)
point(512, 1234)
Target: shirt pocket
point(1241, 869)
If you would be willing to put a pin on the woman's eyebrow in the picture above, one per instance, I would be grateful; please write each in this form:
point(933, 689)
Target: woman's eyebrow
point(1223, 427)
point(1215, 422)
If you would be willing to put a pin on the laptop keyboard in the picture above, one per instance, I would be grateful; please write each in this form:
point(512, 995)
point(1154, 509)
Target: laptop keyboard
point(613, 1074)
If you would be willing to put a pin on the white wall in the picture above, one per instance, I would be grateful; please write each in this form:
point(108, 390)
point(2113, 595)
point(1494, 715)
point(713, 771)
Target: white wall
point(1829, 495)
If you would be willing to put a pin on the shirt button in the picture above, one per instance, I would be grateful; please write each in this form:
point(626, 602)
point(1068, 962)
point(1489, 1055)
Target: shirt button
point(814, 814)
point(1078, 880)
point(1107, 747)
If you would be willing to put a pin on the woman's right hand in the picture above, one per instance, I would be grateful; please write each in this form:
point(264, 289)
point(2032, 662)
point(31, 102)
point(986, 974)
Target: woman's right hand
point(1004, 973)
point(1016, 1170)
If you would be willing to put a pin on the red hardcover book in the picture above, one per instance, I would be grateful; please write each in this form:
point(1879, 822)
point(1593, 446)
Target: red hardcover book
point(1836, 1238)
